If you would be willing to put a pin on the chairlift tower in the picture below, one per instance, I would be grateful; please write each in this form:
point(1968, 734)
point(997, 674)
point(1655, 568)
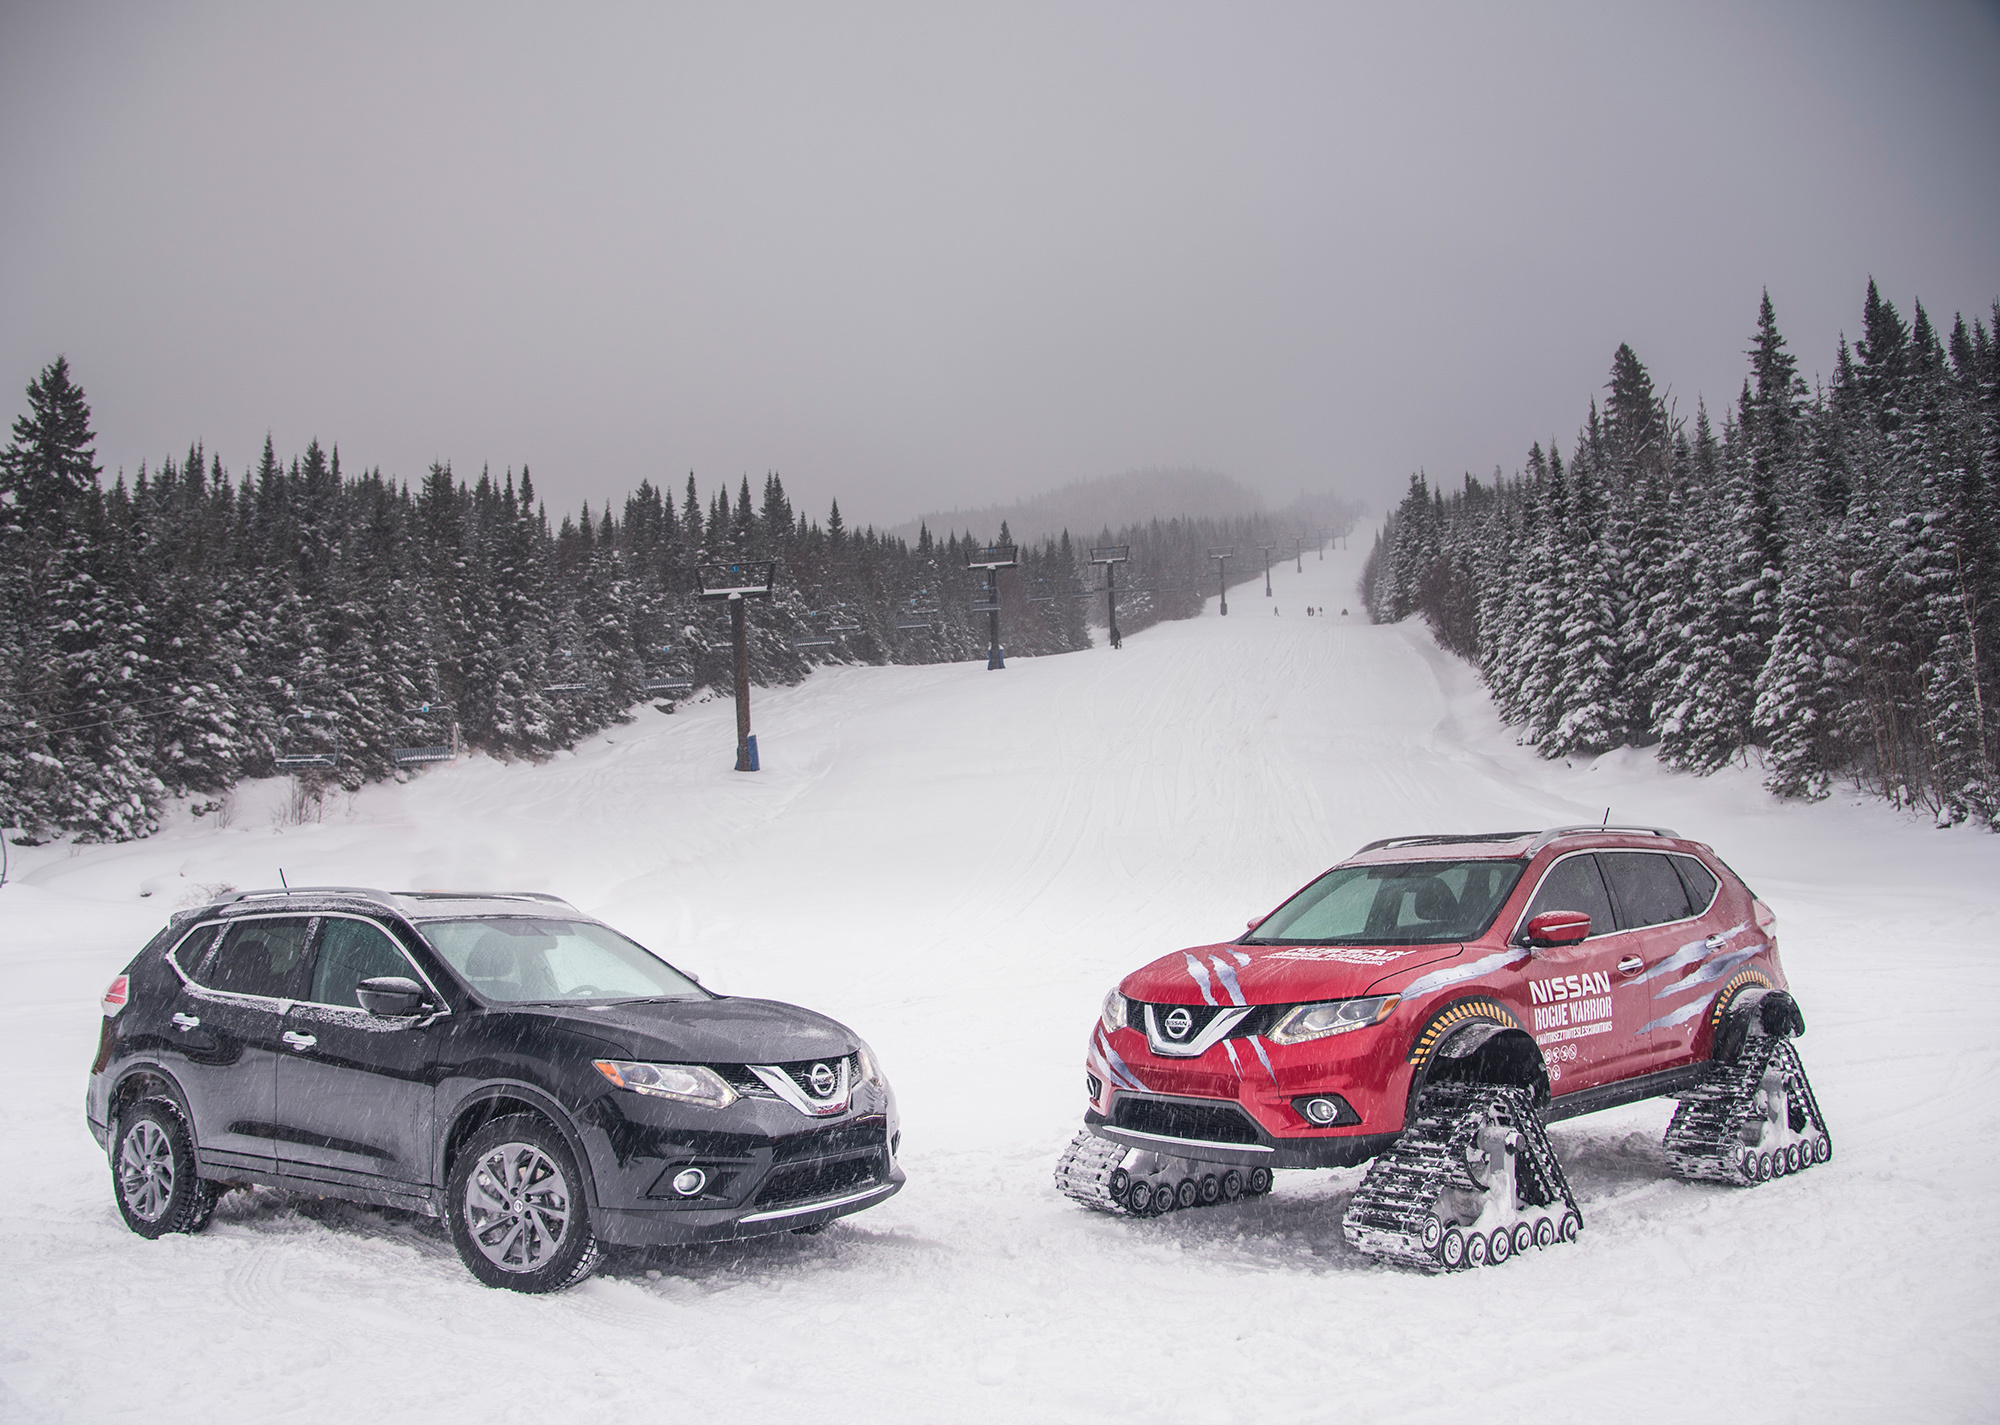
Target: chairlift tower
point(1111, 556)
point(736, 584)
point(1299, 552)
point(992, 559)
point(1222, 558)
point(1268, 550)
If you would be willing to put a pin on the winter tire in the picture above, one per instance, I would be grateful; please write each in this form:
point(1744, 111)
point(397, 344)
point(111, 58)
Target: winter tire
point(516, 1207)
point(1500, 1246)
point(1451, 1251)
point(153, 1173)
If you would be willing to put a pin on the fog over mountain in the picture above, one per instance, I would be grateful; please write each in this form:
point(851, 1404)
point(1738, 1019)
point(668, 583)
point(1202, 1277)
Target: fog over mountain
point(1084, 507)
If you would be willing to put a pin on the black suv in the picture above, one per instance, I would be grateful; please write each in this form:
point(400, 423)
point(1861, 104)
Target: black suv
point(545, 1084)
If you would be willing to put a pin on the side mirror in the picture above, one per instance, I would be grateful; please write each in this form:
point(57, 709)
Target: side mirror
point(1558, 927)
point(390, 995)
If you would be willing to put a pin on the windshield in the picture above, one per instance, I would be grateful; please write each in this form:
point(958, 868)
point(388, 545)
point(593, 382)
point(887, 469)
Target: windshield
point(526, 960)
point(1401, 903)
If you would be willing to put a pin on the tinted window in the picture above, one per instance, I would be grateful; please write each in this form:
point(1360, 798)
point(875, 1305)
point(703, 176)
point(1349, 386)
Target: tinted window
point(1574, 883)
point(260, 957)
point(1701, 882)
point(1399, 903)
point(1648, 890)
point(351, 951)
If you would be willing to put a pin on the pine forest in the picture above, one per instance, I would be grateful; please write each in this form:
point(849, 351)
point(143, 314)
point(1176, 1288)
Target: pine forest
point(1813, 589)
point(168, 637)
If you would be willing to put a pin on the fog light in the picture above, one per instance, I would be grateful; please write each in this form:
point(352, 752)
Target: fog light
point(690, 1181)
point(1322, 1110)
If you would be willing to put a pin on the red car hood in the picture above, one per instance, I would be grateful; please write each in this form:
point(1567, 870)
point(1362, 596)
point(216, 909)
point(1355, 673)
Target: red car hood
point(1277, 974)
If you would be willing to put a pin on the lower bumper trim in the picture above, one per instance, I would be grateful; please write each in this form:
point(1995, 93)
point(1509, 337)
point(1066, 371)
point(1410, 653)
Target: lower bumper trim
point(824, 1205)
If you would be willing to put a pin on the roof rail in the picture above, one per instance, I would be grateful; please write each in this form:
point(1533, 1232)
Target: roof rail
point(543, 896)
point(367, 893)
point(1442, 840)
point(1556, 833)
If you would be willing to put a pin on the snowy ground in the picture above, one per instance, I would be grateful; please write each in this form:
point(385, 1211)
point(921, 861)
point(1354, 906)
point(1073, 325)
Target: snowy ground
point(958, 863)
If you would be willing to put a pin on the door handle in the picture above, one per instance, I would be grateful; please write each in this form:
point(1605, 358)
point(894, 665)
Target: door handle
point(185, 1022)
point(1716, 942)
point(298, 1040)
point(1631, 965)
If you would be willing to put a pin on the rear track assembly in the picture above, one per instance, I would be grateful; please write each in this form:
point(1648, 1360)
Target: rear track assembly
point(1114, 1178)
point(1472, 1180)
point(1749, 1120)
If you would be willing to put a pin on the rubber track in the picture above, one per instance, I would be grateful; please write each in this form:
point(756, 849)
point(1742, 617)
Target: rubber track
point(1397, 1200)
point(1085, 1168)
point(1704, 1142)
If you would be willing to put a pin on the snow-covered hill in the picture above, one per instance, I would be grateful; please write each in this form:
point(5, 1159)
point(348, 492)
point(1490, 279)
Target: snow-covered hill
point(958, 863)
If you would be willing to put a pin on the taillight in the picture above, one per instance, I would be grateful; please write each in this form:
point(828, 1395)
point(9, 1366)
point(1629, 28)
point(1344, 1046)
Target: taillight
point(1767, 919)
point(114, 998)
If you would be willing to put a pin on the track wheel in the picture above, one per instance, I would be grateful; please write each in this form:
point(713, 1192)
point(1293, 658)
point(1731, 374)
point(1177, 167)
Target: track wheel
point(1524, 1237)
point(1451, 1251)
point(1571, 1226)
point(1211, 1189)
point(1500, 1246)
point(1475, 1250)
point(1139, 1197)
point(1260, 1182)
point(1187, 1193)
point(1545, 1232)
point(1232, 1185)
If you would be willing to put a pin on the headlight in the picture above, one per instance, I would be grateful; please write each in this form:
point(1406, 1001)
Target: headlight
point(871, 1072)
point(1316, 1021)
point(690, 1083)
point(1117, 1012)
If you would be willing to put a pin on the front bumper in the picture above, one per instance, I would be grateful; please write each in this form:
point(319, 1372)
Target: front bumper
point(767, 1167)
point(1190, 1124)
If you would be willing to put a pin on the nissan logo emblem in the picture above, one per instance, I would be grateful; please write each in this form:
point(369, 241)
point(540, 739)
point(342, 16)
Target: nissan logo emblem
point(822, 1080)
point(1178, 1024)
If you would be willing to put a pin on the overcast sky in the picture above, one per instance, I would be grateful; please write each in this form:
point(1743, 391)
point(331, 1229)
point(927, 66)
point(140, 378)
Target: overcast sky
point(932, 255)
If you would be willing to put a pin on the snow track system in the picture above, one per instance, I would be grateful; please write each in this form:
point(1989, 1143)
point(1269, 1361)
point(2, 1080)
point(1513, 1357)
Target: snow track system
point(1472, 1181)
point(1139, 1183)
point(1749, 1120)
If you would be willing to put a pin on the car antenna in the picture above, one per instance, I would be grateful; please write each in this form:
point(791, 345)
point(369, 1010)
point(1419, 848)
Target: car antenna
point(281, 879)
point(1607, 819)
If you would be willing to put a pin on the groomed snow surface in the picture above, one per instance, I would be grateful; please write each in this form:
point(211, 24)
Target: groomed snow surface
point(958, 864)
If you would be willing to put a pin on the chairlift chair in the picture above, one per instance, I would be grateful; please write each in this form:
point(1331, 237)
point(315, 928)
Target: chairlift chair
point(293, 755)
point(417, 756)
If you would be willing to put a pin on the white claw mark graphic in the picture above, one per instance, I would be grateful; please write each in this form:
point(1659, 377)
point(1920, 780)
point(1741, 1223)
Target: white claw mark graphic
point(1227, 974)
point(1199, 973)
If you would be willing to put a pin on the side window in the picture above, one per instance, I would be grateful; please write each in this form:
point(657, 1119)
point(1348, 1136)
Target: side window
point(1701, 882)
point(260, 957)
point(1648, 890)
point(1575, 883)
point(351, 951)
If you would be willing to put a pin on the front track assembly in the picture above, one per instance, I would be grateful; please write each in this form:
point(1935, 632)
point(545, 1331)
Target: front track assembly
point(1473, 1180)
point(1114, 1178)
point(1749, 1120)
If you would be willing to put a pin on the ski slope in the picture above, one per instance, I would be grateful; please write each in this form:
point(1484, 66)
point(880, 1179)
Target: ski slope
point(958, 863)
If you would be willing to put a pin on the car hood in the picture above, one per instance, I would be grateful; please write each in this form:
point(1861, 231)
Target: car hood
point(714, 1031)
point(1278, 974)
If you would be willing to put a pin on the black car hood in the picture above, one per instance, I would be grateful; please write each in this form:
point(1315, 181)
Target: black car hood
point(713, 1031)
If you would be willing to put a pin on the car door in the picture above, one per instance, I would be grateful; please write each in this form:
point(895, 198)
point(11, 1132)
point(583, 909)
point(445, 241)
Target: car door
point(225, 1035)
point(355, 1089)
point(1586, 1021)
point(1657, 932)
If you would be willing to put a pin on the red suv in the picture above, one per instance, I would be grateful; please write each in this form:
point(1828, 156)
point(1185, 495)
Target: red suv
point(1431, 1003)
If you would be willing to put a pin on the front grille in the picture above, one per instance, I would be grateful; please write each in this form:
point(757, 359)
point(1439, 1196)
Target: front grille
point(805, 1182)
point(858, 1136)
point(1181, 1118)
point(1258, 1021)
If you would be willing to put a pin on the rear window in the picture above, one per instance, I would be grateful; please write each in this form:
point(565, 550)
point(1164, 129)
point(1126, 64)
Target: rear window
point(1648, 889)
point(265, 957)
point(1701, 882)
point(1400, 903)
